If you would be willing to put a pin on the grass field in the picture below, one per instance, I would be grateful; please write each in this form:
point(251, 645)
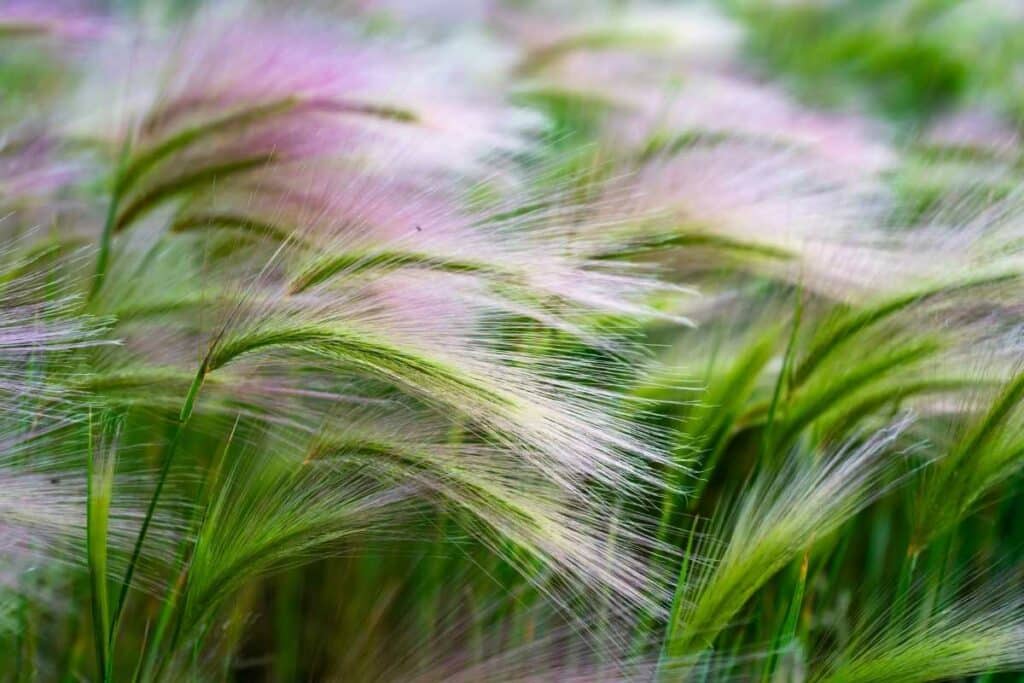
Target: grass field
point(385, 340)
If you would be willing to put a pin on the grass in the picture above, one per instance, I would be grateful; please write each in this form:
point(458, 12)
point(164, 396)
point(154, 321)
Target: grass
point(647, 342)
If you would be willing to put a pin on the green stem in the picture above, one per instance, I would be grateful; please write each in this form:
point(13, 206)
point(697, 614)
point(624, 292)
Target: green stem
point(787, 635)
point(100, 470)
point(183, 418)
point(103, 257)
point(941, 552)
point(783, 379)
point(671, 645)
point(909, 566)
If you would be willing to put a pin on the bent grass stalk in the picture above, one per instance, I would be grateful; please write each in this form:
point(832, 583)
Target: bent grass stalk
point(849, 326)
point(374, 357)
point(129, 171)
point(778, 518)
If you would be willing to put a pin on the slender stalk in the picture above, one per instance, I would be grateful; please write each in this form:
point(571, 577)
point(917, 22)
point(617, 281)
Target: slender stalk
point(675, 611)
point(783, 380)
point(167, 611)
point(787, 635)
point(106, 238)
point(906, 580)
point(98, 495)
point(183, 418)
point(940, 556)
point(172, 613)
point(138, 665)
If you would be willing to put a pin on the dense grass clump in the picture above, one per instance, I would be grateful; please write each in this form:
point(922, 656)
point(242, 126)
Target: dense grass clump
point(402, 341)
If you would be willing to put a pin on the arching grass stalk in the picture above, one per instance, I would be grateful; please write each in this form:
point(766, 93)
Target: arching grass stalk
point(984, 456)
point(129, 171)
point(780, 517)
point(847, 328)
point(980, 631)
